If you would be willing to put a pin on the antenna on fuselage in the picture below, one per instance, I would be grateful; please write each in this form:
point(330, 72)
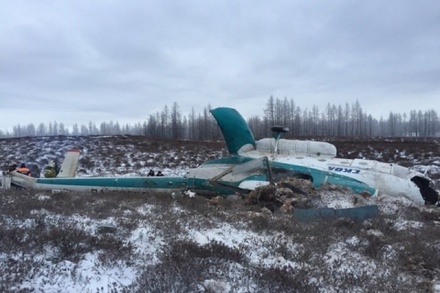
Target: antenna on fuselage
point(277, 130)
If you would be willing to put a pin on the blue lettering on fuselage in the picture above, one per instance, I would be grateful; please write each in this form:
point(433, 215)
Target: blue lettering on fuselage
point(344, 170)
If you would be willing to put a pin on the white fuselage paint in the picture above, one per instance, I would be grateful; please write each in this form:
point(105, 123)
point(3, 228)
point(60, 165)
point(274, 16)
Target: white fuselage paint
point(382, 176)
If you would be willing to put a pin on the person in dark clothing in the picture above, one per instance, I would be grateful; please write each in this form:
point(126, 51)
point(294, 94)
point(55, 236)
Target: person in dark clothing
point(24, 170)
point(12, 167)
point(151, 173)
point(159, 173)
point(57, 167)
point(35, 170)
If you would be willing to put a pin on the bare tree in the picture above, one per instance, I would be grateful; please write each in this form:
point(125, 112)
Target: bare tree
point(333, 121)
point(269, 111)
point(75, 129)
point(176, 122)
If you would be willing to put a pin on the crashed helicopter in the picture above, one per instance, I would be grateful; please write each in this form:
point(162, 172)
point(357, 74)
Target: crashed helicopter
point(253, 163)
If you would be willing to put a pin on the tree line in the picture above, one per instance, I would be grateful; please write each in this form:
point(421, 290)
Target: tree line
point(332, 120)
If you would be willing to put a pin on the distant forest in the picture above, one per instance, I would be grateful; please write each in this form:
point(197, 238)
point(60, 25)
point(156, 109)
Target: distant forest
point(347, 120)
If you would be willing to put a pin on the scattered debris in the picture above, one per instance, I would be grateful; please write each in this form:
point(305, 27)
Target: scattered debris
point(297, 196)
point(106, 228)
point(215, 200)
point(358, 213)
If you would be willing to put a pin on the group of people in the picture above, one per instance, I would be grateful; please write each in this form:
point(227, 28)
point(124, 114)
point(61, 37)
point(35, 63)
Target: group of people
point(22, 169)
point(151, 173)
point(50, 171)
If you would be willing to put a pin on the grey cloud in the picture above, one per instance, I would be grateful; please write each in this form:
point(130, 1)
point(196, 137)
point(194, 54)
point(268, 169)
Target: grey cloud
point(130, 59)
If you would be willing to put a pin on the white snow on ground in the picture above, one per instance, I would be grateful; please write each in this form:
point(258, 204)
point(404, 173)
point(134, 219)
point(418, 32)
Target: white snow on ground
point(337, 199)
point(402, 225)
point(86, 276)
point(90, 274)
point(259, 246)
point(343, 261)
point(224, 233)
point(392, 205)
point(147, 243)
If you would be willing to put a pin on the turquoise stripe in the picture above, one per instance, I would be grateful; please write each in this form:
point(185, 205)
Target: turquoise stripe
point(129, 182)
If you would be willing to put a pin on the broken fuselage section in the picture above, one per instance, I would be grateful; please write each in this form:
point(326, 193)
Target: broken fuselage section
point(316, 161)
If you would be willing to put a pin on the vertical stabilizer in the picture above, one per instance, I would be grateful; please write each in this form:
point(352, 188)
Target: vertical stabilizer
point(235, 130)
point(69, 165)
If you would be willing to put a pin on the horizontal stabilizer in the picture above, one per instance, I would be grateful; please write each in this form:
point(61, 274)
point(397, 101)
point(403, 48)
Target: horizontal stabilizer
point(69, 165)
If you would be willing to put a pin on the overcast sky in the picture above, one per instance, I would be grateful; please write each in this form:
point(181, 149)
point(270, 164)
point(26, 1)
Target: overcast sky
point(79, 61)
